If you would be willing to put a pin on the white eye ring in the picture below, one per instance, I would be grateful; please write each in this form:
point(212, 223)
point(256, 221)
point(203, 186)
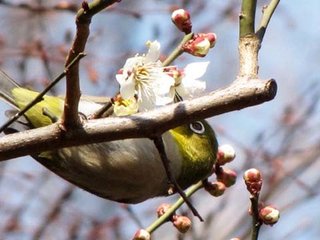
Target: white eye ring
point(197, 127)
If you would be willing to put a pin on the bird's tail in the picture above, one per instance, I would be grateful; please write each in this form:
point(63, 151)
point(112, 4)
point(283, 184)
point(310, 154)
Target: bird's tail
point(6, 86)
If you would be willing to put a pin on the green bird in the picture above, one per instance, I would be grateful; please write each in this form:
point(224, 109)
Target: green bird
point(129, 170)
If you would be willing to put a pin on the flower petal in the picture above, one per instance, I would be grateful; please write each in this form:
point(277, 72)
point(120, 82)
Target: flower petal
point(127, 89)
point(195, 70)
point(153, 52)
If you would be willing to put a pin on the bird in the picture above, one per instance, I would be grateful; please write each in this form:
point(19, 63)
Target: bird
point(126, 171)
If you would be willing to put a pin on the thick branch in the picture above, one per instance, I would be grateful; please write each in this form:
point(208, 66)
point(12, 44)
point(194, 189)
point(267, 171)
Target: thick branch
point(237, 96)
point(249, 47)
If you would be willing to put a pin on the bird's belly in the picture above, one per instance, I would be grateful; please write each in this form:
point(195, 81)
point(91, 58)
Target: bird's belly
point(127, 170)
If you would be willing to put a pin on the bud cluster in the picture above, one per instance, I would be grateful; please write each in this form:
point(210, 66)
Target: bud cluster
point(225, 177)
point(200, 44)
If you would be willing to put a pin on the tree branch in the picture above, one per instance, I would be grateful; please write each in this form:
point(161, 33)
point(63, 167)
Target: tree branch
point(237, 96)
point(267, 14)
point(247, 17)
point(70, 116)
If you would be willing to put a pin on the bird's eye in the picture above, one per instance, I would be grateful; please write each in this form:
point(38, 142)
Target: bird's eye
point(197, 127)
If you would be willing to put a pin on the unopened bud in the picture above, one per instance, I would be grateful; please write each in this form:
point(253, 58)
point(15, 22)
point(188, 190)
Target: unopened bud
point(212, 38)
point(162, 209)
point(181, 18)
point(182, 223)
point(226, 154)
point(216, 189)
point(269, 215)
point(200, 44)
point(142, 234)
point(227, 176)
point(253, 180)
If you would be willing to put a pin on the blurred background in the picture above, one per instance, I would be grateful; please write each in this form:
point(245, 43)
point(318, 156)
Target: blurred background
point(281, 138)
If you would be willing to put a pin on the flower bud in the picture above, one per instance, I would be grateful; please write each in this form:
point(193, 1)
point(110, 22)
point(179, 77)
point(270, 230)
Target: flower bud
point(142, 234)
point(162, 209)
point(212, 38)
point(216, 189)
point(182, 223)
point(181, 18)
point(226, 154)
point(269, 215)
point(200, 44)
point(253, 179)
point(227, 176)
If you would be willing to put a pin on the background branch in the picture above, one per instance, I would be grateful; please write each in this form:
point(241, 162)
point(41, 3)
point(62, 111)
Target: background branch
point(143, 125)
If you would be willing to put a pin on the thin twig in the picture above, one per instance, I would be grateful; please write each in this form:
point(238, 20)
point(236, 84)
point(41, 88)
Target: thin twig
point(267, 14)
point(177, 51)
point(158, 141)
point(40, 96)
point(173, 208)
point(256, 223)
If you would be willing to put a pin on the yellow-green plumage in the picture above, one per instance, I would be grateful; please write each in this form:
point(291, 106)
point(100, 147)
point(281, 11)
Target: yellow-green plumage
point(127, 170)
point(24, 96)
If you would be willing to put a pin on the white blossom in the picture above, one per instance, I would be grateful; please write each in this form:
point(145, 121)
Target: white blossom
point(143, 77)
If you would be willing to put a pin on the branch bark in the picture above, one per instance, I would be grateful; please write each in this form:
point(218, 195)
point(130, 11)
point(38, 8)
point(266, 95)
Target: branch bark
point(237, 96)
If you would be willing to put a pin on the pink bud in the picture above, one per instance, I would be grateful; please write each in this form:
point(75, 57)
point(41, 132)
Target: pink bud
point(269, 215)
point(162, 209)
point(216, 189)
point(182, 223)
point(226, 154)
point(227, 176)
point(200, 44)
point(181, 18)
point(253, 179)
point(212, 38)
point(142, 234)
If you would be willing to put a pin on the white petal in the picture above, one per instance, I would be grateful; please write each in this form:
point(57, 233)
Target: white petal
point(147, 102)
point(190, 89)
point(161, 101)
point(127, 88)
point(153, 53)
point(195, 70)
point(163, 84)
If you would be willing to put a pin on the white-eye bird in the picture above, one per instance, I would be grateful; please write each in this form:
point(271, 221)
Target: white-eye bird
point(128, 170)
